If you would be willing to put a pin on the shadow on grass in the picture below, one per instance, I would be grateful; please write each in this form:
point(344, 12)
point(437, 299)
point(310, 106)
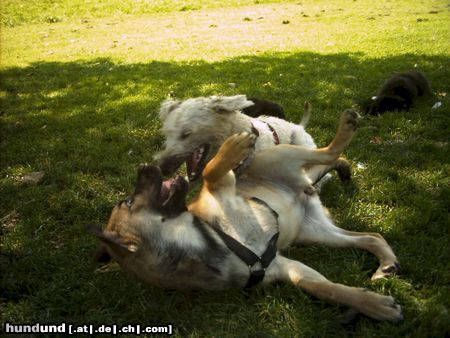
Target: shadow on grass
point(88, 124)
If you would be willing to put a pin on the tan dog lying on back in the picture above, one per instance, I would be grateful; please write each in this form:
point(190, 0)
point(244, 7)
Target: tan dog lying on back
point(230, 235)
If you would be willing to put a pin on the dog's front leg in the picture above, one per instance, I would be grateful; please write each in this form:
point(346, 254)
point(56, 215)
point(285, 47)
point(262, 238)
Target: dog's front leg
point(374, 305)
point(234, 150)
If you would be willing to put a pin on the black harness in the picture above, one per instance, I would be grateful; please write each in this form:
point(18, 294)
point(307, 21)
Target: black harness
point(248, 256)
point(245, 254)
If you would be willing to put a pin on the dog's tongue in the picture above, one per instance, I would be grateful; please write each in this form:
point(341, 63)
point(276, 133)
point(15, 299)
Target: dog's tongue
point(165, 189)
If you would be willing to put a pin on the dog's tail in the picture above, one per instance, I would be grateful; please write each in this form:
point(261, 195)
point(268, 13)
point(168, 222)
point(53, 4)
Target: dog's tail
point(306, 114)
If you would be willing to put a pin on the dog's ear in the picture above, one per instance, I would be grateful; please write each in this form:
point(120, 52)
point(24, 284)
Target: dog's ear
point(166, 107)
point(228, 104)
point(116, 242)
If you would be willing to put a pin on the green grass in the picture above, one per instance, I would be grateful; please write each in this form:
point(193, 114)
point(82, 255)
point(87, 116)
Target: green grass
point(20, 12)
point(79, 100)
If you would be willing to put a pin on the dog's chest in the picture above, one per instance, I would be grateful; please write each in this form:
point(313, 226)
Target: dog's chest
point(249, 223)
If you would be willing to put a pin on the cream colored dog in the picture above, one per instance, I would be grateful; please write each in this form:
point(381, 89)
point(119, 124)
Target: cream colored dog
point(195, 128)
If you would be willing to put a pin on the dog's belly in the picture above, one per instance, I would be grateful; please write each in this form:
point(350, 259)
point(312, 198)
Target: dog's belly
point(283, 201)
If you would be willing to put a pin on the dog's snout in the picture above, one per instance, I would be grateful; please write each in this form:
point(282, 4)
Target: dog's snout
point(165, 167)
point(148, 183)
point(148, 175)
point(148, 170)
point(169, 165)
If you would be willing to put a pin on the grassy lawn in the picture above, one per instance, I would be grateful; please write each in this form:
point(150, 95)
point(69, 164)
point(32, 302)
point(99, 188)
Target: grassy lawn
point(81, 83)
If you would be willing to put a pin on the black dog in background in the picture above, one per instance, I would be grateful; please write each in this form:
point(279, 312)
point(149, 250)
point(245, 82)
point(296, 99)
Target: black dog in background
point(399, 92)
point(264, 107)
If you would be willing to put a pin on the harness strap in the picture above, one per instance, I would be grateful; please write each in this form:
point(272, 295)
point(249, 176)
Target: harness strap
point(260, 201)
point(249, 257)
point(244, 253)
point(266, 258)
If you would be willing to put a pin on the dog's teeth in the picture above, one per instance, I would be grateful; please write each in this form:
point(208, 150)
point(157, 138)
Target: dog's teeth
point(240, 163)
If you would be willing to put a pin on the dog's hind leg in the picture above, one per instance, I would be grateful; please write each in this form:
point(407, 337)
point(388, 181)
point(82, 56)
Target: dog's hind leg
point(374, 305)
point(286, 163)
point(218, 171)
point(341, 165)
point(318, 228)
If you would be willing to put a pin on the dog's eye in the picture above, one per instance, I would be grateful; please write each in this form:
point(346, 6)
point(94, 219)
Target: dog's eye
point(163, 219)
point(185, 135)
point(129, 201)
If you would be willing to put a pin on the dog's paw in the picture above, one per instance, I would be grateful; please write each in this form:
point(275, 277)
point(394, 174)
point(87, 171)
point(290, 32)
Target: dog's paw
point(344, 134)
point(244, 144)
point(344, 170)
point(386, 270)
point(238, 147)
point(379, 307)
point(349, 119)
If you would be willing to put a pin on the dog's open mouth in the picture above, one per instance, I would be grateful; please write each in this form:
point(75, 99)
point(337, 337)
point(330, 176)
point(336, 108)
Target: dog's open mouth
point(169, 188)
point(196, 162)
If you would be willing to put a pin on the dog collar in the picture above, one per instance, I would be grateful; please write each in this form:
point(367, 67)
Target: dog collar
point(274, 133)
point(257, 273)
point(276, 138)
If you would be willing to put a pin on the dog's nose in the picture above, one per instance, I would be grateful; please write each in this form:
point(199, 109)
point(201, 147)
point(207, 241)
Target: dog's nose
point(148, 170)
point(169, 165)
point(166, 168)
